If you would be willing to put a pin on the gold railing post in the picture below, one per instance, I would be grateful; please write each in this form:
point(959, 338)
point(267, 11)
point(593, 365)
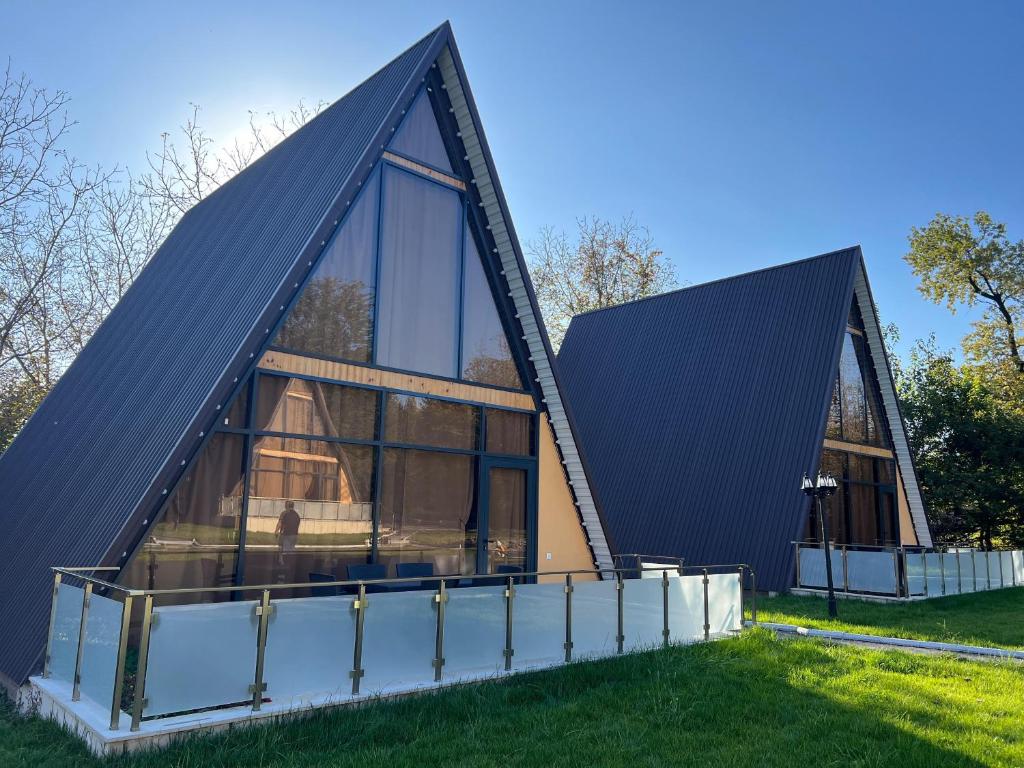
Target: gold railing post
point(53, 620)
point(359, 606)
point(846, 570)
point(620, 586)
point(258, 686)
point(942, 571)
point(76, 689)
point(924, 567)
point(753, 595)
point(707, 617)
point(440, 598)
point(122, 654)
point(896, 572)
point(510, 595)
point(796, 550)
point(664, 596)
point(139, 704)
point(568, 617)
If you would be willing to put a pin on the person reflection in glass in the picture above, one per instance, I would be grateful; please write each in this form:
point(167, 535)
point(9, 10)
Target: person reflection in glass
point(287, 530)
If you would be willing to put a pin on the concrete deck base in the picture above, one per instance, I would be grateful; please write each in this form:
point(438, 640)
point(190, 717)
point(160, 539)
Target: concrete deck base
point(51, 698)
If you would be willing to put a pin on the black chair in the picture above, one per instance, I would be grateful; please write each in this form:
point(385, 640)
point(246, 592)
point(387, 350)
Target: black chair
point(509, 570)
point(315, 577)
point(367, 572)
point(411, 570)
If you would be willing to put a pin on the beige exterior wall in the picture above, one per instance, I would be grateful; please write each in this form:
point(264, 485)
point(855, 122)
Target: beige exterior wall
point(907, 533)
point(559, 530)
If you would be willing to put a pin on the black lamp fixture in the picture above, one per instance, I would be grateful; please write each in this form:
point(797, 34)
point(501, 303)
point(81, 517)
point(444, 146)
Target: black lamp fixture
point(821, 489)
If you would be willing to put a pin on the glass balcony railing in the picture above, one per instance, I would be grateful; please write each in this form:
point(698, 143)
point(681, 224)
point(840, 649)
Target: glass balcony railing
point(128, 652)
point(906, 572)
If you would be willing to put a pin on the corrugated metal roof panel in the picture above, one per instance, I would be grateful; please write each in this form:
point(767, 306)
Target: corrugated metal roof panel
point(131, 407)
point(699, 410)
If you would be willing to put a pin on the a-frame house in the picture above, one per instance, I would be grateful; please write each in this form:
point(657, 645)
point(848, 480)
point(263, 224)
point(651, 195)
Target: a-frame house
point(701, 409)
point(335, 360)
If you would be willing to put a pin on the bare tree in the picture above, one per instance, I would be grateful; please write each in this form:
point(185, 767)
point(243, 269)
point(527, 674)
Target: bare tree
point(73, 239)
point(180, 176)
point(606, 264)
point(43, 194)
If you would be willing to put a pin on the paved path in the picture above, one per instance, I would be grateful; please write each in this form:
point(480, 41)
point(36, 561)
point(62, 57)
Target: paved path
point(878, 642)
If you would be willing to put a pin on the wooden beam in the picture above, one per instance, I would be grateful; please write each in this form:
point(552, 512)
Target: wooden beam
point(424, 170)
point(864, 450)
point(285, 362)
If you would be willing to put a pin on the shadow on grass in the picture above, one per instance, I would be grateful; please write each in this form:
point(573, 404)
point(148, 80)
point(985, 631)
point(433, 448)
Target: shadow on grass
point(993, 618)
point(753, 700)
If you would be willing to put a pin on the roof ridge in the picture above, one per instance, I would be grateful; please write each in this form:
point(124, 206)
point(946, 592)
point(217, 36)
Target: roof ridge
point(293, 136)
point(718, 280)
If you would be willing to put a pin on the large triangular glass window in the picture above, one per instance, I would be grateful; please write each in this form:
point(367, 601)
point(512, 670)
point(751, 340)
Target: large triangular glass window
point(486, 352)
point(856, 413)
point(418, 137)
point(334, 315)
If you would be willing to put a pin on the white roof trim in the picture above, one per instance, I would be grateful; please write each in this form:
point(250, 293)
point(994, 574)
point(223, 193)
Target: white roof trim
point(901, 447)
point(531, 324)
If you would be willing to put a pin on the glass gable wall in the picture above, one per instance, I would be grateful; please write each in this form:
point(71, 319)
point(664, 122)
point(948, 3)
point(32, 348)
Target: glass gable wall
point(864, 511)
point(308, 477)
point(341, 475)
point(402, 285)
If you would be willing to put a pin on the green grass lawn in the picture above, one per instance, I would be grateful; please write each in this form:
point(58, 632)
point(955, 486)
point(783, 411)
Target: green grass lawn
point(993, 618)
point(749, 701)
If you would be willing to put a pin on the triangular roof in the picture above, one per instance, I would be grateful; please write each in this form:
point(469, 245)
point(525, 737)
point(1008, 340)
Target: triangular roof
point(700, 409)
point(88, 470)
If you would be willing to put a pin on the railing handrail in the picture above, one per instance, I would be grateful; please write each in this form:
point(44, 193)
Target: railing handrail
point(355, 583)
point(944, 549)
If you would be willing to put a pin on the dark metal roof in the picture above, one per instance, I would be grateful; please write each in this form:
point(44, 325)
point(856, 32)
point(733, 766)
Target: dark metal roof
point(701, 409)
point(129, 411)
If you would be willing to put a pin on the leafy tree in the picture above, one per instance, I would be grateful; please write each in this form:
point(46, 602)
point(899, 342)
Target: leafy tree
point(606, 264)
point(19, 398)
point(969, 449)
point(971, 261)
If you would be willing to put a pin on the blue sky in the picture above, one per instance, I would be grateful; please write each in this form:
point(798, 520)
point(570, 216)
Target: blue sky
point(742, 134)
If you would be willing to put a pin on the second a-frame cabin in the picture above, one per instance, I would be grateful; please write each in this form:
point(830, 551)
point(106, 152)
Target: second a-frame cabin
point(701, 409)
point(335, 366)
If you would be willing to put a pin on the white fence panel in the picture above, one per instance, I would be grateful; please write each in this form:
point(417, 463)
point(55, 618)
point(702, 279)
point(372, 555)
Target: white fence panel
point(915, 572)
point(474, 632)
point(99, 651)
point(200, 656)
point(595, 619)
point(812, 568)
point(538, 621)
point(686, 609)
point(399, 636)
point(871, 572)
point(724, 603)
point(934, 565)
point(67, 621)
point(310, 643)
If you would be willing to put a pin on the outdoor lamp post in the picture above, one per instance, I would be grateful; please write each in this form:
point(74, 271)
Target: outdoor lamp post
point(821, 489)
